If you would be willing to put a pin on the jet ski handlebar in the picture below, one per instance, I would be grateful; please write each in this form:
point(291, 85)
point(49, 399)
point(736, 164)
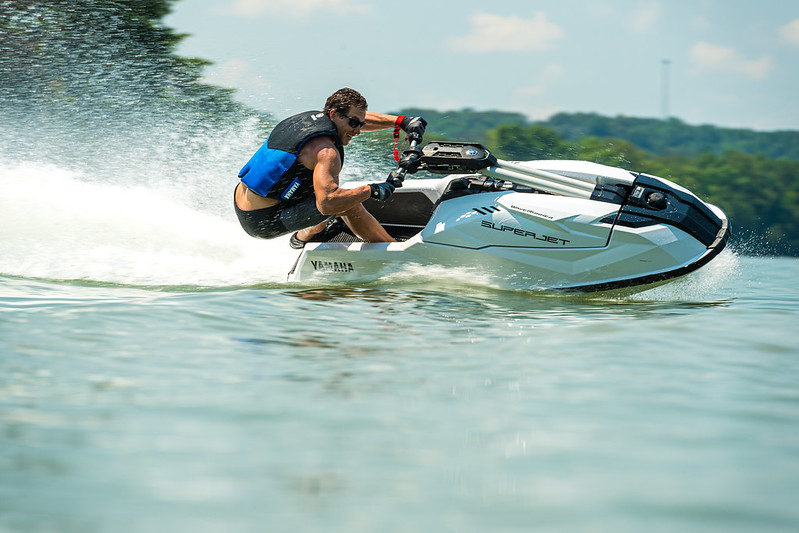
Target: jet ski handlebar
point(471, 158)
point(446, 157)
point(409, 161)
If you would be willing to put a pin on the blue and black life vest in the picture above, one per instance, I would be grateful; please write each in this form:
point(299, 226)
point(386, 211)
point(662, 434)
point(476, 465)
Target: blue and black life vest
point(274, 171)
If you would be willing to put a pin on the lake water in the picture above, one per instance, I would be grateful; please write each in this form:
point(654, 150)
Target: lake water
point(158, 374)
point(132, 402)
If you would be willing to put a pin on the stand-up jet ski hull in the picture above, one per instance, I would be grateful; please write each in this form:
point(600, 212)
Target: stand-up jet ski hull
point(568, 225)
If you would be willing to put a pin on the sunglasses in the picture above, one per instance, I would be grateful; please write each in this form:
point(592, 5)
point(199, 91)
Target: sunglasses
point(353, 122)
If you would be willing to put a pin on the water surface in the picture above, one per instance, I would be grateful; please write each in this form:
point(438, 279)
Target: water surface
point(415, 405)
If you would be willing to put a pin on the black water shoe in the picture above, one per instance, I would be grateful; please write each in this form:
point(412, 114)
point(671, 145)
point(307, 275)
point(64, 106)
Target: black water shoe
point(296, 243)
point(333, 229)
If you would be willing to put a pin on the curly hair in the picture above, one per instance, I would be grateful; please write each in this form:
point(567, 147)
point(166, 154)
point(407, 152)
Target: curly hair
point(342, 100)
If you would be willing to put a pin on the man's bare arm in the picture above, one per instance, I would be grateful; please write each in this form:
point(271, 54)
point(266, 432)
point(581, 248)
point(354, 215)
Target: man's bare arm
point(321, 155)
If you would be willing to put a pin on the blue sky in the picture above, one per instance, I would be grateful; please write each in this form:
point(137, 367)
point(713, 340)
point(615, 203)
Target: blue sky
point(731, 63)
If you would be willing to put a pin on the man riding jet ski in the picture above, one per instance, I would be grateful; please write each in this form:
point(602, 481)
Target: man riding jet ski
point(291, 184)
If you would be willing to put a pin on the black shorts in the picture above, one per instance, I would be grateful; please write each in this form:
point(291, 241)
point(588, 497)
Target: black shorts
point(271, 222)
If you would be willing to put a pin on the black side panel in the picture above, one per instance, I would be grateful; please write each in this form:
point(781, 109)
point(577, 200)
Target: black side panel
point(653, 201)
point(613, 194)
point(402, 208)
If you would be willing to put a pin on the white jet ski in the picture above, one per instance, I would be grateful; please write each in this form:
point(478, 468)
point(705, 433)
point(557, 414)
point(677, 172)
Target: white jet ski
point(554, 224)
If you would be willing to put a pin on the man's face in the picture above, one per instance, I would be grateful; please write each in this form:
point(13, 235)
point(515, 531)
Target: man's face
point(344, 123)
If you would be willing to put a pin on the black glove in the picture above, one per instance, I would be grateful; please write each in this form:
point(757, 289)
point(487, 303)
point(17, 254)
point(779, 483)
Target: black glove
point(396, 178)
point(413, 125)
point(381, 191)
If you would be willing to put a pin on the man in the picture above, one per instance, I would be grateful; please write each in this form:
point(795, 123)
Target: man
point(291, 183)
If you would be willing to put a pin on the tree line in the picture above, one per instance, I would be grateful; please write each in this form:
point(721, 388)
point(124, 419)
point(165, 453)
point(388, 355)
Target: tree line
point(655, 136)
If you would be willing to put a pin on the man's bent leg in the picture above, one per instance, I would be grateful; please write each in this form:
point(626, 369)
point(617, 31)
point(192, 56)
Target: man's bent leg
point(307, 234)
point(365, 225)
point(304, 216)
point(305, 220)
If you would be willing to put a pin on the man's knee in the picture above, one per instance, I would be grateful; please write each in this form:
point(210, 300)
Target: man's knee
point(357, 211)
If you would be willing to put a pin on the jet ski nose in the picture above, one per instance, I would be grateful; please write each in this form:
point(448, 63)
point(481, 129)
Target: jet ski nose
point(656, 201)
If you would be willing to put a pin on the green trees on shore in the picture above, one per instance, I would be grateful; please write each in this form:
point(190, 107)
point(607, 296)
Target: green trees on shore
point(674, 137)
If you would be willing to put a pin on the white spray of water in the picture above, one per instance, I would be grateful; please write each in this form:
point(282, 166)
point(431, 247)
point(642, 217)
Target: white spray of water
point(57, 225)
point(701, 285)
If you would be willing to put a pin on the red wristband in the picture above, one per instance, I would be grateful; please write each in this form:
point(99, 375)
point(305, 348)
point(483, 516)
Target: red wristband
point(397, 125)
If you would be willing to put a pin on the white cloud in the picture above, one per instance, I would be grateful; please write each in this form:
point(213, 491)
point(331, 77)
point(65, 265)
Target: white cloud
point(789, 33)
point(646, 17)
point(496, 33)
point(722, 58)
point(298, 8)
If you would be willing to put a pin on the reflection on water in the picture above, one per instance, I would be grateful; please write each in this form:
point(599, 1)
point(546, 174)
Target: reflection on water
point(287, 408)
point(494, 303)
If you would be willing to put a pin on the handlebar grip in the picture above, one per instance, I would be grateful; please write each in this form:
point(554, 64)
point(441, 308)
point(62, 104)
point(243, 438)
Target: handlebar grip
point(396, 177)
point(410, 156)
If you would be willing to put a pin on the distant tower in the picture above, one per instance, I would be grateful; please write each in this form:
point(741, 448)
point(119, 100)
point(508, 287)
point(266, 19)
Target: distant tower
point(664, 103)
